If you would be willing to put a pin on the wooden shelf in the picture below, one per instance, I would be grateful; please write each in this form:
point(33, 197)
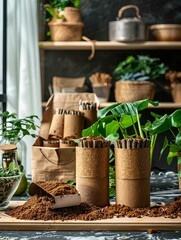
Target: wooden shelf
point(109, 45)
point(161, 105)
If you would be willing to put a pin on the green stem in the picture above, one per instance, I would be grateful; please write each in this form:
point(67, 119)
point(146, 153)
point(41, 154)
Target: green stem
point(134, 127)
point(152, 145)
point(139, 125)
point(120, 127)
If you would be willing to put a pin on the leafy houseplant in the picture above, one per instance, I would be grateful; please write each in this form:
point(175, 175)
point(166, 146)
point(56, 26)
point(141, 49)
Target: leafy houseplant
point(121, 121)
point(172, 123)
point(60, 5)
point(65, 24)
point(13, 130)
point(137, 75)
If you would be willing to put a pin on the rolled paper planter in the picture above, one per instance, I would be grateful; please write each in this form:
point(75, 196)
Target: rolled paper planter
point(179, 170)
point(92, 175)
point(67, 143)
point(73, 125)
point(90, 117)
point(51, 143)
point(57, 125)
point(132, 171)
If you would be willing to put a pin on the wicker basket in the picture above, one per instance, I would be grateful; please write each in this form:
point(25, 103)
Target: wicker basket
point(176, 92)
point(130, 91)
point(66, 31)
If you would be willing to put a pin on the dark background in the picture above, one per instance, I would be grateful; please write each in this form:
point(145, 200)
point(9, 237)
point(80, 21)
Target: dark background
point(96, 15)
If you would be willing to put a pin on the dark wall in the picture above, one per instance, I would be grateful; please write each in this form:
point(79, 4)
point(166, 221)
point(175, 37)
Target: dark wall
point(96, 15)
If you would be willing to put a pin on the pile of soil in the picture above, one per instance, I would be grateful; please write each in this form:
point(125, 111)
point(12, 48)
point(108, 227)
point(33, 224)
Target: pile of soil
point(56, 189)
point(40, 208)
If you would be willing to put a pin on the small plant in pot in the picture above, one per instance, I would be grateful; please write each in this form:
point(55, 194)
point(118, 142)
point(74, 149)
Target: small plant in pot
point(13, 130)
point(65, 24)
point(136, 78)
point(122, 123)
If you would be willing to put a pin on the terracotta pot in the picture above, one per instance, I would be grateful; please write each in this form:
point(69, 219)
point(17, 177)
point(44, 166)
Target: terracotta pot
point(92, 175)
point(130, 91)
point(176, 92)
point(132, 169)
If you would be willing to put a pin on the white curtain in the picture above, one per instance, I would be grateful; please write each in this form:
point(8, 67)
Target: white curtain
point(23, 66)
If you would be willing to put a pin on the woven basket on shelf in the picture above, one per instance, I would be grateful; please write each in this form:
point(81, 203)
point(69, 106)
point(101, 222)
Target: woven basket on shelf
point(176, 92)
point(66, 31)
point(130, 91)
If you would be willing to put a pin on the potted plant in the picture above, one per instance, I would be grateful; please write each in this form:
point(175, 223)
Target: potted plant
point(13, 130)
point(122, 123)
point(136, 78)
point(172, 123)
point(65, 24)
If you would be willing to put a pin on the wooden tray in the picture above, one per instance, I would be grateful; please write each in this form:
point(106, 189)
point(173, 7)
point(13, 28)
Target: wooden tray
point(145, 223)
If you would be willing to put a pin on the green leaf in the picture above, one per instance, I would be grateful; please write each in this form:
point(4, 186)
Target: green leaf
point(103, 112)
point(179, 160)
point(176, 118)
point(112, 127)
point(159, 126)
point(179, 174)
point(91, 131)
point(127, 120)
point(178, 139)
point(175, 148)
point(165, 145)
point(170, 157)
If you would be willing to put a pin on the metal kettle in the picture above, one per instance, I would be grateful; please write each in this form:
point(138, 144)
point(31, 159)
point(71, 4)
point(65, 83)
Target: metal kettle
point(130, 29)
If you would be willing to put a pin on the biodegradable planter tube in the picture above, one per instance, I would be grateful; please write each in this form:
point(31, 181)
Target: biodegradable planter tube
point(67, 142)
point(90, 112)
point(179, 170)
point(132, 170)
point(51, 143)
point(73, 124)
point(92, 171)
point(57, 124)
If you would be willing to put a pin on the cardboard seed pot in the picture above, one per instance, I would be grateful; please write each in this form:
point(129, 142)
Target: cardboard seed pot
point(90, 117)
point(50, 163)
point(132, 170)
point(92, 175)
point(73, 125)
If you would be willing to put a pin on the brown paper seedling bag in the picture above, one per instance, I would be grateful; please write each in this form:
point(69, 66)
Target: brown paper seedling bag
point(62, 84)
point(92, 171)
point(132, 170)
point(50, 163)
